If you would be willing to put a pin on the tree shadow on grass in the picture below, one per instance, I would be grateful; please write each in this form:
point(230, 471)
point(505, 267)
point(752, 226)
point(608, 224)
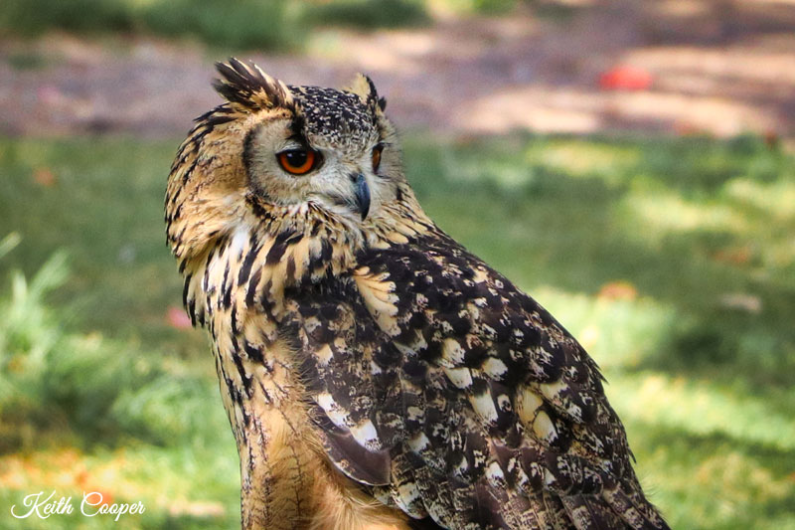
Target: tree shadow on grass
point(749, 479)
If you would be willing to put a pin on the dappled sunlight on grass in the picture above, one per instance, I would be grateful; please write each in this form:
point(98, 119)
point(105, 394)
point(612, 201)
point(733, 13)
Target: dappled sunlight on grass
point(619, 334)
point(608, 161)
point(774, 199)
point(701, 408)
point(711, 481)
point(660, 211)
point(671, 260)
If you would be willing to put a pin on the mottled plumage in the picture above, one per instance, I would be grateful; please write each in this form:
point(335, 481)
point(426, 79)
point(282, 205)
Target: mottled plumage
point(376, 374)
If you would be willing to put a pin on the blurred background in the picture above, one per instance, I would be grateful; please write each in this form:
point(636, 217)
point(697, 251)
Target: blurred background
point(628, 163)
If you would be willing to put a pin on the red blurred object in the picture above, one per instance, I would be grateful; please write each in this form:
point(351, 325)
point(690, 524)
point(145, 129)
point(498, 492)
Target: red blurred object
point(618, 290)
point(44, 177)
point(177, 318)
point(625, 78)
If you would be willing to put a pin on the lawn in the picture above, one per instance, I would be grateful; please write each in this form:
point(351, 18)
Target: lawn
point(242, 24)
point(673, 261)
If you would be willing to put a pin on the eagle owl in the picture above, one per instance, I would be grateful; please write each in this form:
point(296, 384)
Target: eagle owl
point(375, 373)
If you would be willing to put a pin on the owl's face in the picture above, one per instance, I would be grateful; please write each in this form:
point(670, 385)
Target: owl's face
point(278, 154)
point(332, 151)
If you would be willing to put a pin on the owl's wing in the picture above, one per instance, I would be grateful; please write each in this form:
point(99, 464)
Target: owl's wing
point(450, 393)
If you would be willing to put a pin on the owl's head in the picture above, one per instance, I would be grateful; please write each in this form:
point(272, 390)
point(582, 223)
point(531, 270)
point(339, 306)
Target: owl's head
point(276, 153)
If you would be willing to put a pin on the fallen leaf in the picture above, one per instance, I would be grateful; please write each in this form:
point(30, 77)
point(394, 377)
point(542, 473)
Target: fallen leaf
point(81, 478)
point(736, 256)
point(618, 290)
point(44, 177)
point(772, 139)
point(625, 78)
point(686, 128)
point(177, 318)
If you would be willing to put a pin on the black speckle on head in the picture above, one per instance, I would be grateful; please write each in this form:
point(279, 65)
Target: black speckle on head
point(335, 118)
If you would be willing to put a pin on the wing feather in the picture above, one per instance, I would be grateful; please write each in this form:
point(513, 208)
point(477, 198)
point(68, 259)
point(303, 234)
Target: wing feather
point(433, 378)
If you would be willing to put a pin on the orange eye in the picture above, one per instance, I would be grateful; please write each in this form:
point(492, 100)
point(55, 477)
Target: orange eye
point(297, 161)
point(377, 157)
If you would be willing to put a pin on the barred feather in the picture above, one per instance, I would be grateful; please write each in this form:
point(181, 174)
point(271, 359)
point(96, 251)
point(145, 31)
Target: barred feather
point(377, 374)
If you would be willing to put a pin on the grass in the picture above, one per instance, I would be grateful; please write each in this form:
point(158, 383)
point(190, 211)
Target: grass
point(671, 259)
point(239, 24)
point(242, 24)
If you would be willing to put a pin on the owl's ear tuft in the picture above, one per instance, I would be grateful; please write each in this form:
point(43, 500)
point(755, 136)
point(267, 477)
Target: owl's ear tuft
point(364, 87)
point(250, 87)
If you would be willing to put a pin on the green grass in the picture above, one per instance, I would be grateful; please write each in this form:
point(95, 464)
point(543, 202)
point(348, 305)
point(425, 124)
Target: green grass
point(80, 412)
point(369, 13)
point(236, 24)
point(671, 259)
point(239, 24)
point(242, 24)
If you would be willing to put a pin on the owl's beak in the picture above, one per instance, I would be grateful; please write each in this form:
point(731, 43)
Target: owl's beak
point(362, 195)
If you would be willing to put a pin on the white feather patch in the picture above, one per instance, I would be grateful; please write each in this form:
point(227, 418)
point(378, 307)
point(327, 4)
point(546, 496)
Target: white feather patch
point(418, 443)
point(324, 355)
point(366, 435)
point(337, 414)
point(484, 406)
point(460, 377)
point(240, 238)
point(551, 390)
point(452, 353)
point(494, 368)
point(407, 493)
point(495, 475)
point(544, 428)
point(527, 403)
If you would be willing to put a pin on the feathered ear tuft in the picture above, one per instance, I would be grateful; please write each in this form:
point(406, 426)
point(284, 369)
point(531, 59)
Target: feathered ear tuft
point(250, 87)
point(364, 87)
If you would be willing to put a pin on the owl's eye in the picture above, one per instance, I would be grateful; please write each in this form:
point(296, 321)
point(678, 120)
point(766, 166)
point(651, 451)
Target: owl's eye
point(298, 161)
point(377, 157)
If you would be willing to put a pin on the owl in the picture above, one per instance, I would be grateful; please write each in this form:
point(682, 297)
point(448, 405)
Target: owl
point(375, 373)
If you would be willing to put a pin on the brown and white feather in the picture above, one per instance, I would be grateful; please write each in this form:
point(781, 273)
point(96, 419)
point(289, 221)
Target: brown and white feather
point(376, 374)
